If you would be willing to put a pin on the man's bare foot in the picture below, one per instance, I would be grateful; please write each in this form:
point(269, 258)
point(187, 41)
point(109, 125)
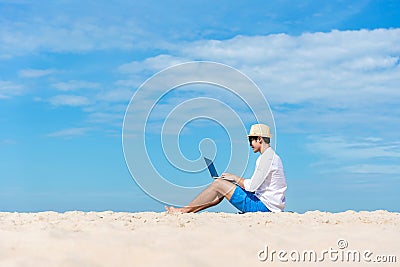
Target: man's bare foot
point(175, 210)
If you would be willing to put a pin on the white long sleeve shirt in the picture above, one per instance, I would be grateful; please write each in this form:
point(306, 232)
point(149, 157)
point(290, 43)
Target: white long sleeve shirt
point(268, 181)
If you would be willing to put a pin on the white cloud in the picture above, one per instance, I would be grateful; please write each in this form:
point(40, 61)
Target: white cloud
point(153, 64)
point(314, 82)
point(35, 73)
point(341, 149)
point(133, 82)
point(69, 100)
point(373, 139)
point(196, 94)
point(115, 95)
point(367, 169)
point(74, 26)
point(368, 63)
point(70, 132)
point(75, 85)
point(63, 36)
point(109, 118)
point(346, 67)
point(8, 141)
point(343, 155)
point(9, 89)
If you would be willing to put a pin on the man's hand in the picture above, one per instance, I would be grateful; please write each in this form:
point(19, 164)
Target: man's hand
point(233, 178)
point(230, 177)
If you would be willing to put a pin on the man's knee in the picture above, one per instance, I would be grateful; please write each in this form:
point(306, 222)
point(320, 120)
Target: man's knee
point(219, 182)
point(222, 186)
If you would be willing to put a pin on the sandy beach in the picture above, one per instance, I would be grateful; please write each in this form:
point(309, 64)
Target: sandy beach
point(207, 239)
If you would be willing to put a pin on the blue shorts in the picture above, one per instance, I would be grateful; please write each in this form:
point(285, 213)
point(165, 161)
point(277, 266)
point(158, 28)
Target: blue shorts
point(246, 201)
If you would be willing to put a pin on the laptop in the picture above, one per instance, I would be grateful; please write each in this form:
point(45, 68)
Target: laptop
point(213, 171)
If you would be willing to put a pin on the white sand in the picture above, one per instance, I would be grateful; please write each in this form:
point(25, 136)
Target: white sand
point(205, 239)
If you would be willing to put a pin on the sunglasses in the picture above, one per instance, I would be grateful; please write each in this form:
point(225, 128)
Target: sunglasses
point(251, 138)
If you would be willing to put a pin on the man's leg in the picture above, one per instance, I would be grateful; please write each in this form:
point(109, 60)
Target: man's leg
point(211, 196)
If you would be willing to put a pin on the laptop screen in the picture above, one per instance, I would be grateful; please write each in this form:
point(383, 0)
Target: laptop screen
point(211, 167)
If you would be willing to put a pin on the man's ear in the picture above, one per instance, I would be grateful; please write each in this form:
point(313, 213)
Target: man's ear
point(259, 140)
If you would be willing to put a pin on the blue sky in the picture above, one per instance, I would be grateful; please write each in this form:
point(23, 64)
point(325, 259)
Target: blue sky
point(329, 70)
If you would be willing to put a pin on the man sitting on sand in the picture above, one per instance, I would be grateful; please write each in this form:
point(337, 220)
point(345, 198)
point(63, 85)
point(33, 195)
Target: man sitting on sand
point(264, 191)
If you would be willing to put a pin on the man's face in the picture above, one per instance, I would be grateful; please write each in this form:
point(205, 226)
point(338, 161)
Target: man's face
point(255, 143)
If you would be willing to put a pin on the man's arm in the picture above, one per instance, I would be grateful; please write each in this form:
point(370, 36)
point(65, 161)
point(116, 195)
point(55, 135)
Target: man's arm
point(261, 172)
point(240, 181)
point(259, 175)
